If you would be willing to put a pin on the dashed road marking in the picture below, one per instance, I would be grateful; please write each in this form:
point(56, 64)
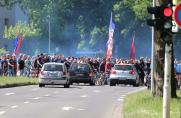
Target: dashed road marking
point(120, 99)
point(67, 108)
point(80, 109)
point(47, 95)
point(123, 95)
point(84, 96)
point(2, 112)
point(26, 102)
point(97, 91)
point(36, 98)
point(15, 106)
point(9, 93)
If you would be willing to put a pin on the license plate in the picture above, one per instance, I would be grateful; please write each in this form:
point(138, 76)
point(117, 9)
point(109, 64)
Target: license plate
point(122, 78)
point(53, 75)
point(79, 74)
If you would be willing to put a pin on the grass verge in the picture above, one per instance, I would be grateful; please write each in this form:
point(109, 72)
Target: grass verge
point(143, 105)
point(6, 82)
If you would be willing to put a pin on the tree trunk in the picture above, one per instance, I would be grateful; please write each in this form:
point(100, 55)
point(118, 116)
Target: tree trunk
point(159, 46)
point(173, 78)
point(158, 75)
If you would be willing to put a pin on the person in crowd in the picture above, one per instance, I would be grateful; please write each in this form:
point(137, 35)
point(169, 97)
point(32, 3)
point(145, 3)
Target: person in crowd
point(14, 65)
point(21, 64)
point(11, 67)
point(102, 66)
point(28, 66)
point(4, 65)
point(148, 66)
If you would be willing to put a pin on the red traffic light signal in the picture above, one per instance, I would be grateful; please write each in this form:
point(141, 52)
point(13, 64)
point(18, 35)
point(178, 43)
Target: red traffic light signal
point(167, 12)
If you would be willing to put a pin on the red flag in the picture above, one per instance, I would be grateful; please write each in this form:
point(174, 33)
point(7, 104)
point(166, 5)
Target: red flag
point(110, 41)
point(16, 51)
point(132, 54)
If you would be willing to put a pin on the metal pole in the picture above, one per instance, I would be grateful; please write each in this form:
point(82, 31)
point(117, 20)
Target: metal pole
point(49, 36)
point(153, 57)
point(167, 75)
point(167, 78)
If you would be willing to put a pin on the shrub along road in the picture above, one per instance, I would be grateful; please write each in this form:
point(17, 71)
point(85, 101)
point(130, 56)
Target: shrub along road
point(6, 82)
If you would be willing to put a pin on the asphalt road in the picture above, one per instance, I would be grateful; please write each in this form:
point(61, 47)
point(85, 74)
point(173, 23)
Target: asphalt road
point(58, 102)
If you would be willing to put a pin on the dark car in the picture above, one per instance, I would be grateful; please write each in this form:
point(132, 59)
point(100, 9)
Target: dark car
point(81, 73)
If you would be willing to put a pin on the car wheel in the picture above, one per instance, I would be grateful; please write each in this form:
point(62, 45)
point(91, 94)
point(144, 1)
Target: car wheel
point(111, 84)
point(41, 85)
point(66, 85)
point(136, 84)
point(92, 83)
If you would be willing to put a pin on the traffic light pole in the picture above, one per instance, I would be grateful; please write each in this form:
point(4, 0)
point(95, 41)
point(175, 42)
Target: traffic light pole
point(167, 79)
point(153, 57)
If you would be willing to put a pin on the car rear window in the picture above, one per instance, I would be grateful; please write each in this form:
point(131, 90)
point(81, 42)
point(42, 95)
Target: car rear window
point(80, 67)
point(123, 67)
point(53, 67)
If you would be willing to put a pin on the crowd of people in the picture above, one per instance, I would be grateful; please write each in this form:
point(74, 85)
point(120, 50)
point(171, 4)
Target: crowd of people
point(30, 66)
point(25, 65)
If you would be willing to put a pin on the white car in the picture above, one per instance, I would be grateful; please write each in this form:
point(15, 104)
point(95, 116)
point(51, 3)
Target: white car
point(54, 74)
point(124, 74)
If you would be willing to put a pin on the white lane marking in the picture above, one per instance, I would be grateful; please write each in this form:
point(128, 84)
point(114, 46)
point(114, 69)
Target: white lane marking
point(36, 98)
point(97, 91)
point(26, 102)
point(65, 90)
point(15, 106)
point(2, 112)
point(55, 92)
point(120, 99)
point(9, 93)
point(67, 108)
point(80, 109)
point(123, 95)
point(84, 96)
point(47, 95)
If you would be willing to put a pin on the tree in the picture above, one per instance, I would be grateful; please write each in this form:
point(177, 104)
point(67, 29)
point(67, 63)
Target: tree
point(3, 51)
point(28, 30)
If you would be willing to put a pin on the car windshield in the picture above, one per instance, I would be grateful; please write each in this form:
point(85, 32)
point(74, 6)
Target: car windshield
point(53, 67)
point(123, 67)
point(80, 67)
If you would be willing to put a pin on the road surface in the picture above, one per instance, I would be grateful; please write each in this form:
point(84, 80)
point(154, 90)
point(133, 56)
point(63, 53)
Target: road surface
point(58, 102)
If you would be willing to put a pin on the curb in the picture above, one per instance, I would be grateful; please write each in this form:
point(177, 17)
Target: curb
point(16, 85)
point(118, 109)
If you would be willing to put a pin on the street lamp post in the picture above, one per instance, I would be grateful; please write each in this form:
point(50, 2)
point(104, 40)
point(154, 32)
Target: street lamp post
point(49, 38)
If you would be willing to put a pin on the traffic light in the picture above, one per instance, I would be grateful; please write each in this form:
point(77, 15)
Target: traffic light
point(167, 18)
point(163, 17)
point(166, 29)
point(156, 22)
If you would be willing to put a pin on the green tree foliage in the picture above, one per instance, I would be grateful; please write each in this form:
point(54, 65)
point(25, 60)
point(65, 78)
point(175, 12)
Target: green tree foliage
point(2, 51)
point(28, 30)
point(75, 20)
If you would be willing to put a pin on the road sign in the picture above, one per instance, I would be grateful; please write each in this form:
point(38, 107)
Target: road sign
point(177, 15)
point(174, 27)
point(174, 24)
